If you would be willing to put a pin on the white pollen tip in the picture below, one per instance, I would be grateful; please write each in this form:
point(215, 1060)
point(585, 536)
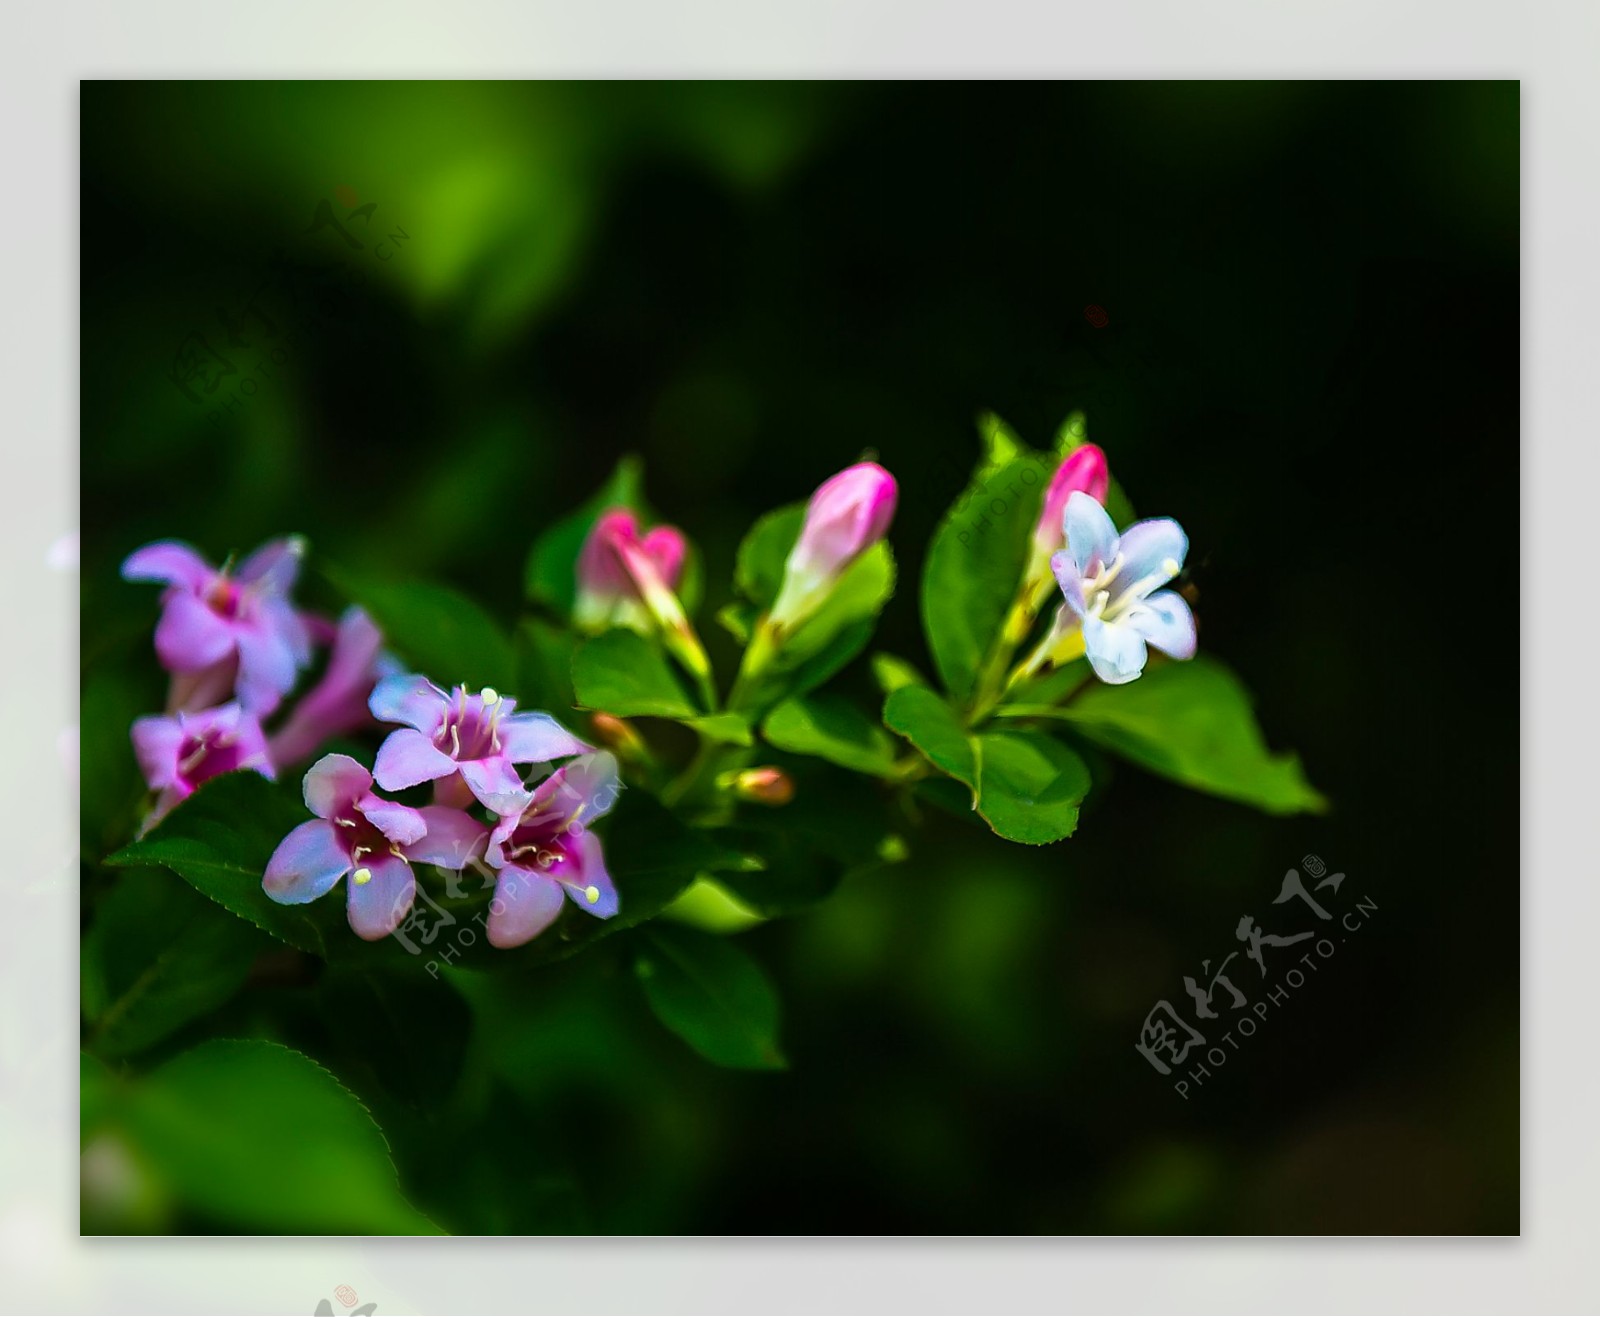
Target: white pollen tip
point(591, 894)
point(1170, 566)
point(362, 877)
point(491, 695)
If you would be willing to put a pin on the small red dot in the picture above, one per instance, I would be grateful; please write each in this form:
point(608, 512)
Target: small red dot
point(1096, 315)
point(347, 198)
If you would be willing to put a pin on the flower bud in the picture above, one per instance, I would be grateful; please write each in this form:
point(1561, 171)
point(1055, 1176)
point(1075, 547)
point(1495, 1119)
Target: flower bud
point(1083, 470)
point(846, 516)
point(617, 734)
point(765, 786)
point(621, 575)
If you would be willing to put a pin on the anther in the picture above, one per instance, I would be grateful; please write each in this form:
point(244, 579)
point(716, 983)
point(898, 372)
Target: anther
point(362, 877)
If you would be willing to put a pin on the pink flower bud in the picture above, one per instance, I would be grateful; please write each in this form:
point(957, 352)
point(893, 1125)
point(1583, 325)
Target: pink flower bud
point(847, 515)
point(764, 786)
point(1082, 471)
point(618, 570)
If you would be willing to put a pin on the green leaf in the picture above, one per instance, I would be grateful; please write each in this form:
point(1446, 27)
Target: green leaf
point(1029, 786)
point(551, 574)
point(891, 672)
point(622, 673)
point(219, 841)
point(157, 956)
point(832, 728)
point(436, 630)
point(713, 996)
point(261, 1137)
point(1000, 443)
point(931, 725)
point(974, 567)
point(724, 728)
point(758, 566)
point(1026, 786)
point(1192, 722)
point(544, 665)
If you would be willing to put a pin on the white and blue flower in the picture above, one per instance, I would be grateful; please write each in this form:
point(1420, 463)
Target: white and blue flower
point(1113, 586)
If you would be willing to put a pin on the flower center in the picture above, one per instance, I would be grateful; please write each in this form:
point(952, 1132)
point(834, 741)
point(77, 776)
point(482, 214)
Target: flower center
point(225, 597)
point(207, 755)
point(471, 727)
point(1097, 588)
point(362, 838)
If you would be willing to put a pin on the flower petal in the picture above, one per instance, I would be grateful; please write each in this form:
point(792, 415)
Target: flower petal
point(1091, 534)
point(376, 907)
point(266, 668)
point(588, 787)
point(495, 783)
point(334, 783)
point(410, 699)
point(1152, 554)
point(169, 561)
point(408, 757)
point(523, 906)
point(537, 738)
point(156, 743)
point(592, 877)
point(1165, 621)
point(1116, 650)
point(399, 823)
point(1070, 580)
point(190, 636)
point(453, 838)
point(307, 863)
point(274, 565)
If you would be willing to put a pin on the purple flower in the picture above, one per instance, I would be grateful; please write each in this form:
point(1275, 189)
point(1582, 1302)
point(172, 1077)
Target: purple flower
point(338, 703)
point(177, 753)
point(478, 737)
point(546, 850)
point(220, 629)
point(848, 514)
point(1112, 584)
point(377, 839)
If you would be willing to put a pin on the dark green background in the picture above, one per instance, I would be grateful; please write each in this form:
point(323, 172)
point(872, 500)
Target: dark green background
point(1309, 358)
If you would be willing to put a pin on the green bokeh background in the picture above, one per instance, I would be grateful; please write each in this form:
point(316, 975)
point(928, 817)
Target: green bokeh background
point(1308, 355)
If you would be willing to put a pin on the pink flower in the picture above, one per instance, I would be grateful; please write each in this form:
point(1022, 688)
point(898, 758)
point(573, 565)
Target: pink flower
point(338, 703)
point(621, 574)
point(847, 515)
point(546, 852)
point(379, 840)
point(177, 753)
point(1083, 470)
point(478, 737)
point(219, 629)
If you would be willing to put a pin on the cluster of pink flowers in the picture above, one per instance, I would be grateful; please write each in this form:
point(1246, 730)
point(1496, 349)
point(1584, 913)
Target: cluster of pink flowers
point(235, 646)
point(536, 841)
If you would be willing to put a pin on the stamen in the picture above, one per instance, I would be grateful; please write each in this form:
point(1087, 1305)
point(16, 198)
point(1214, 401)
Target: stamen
point(455, 741)
point(1170, 566)
point(362, 877)
point(591, 894)
point(490, 696)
